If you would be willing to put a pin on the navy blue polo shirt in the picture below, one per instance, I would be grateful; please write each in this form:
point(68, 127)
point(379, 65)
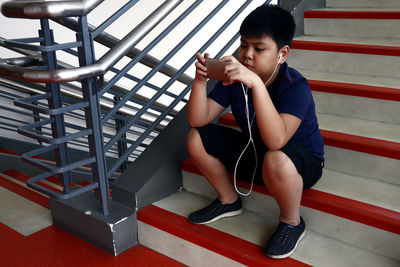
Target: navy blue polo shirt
point(291, 94)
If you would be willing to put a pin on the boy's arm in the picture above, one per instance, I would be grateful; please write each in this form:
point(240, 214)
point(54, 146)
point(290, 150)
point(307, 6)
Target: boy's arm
point(201, 109)
point(275, 128)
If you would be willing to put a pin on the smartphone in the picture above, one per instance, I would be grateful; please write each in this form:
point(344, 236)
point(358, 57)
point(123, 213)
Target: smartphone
point(216, 69)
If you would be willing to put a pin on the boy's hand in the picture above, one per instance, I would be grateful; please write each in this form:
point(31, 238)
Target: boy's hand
point(237, 72)
point(201, 70)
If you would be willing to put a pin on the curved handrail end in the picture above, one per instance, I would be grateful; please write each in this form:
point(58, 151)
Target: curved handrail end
point(48, 9)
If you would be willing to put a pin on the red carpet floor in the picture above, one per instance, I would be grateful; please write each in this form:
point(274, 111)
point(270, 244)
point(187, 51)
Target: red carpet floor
point(55, 247)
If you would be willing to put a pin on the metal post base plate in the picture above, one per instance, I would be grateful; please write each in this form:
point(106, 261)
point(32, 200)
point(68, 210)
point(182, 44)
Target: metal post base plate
point(81, 216)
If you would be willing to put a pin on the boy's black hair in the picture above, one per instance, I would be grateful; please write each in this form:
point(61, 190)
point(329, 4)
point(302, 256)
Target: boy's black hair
point(271, 21)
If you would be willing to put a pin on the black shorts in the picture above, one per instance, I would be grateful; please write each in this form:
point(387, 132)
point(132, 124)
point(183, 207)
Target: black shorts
point(227, 144)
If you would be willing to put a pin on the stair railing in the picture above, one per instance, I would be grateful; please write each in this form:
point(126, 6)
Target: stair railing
point(17, 119)
point(94, 88)
point(86, 73)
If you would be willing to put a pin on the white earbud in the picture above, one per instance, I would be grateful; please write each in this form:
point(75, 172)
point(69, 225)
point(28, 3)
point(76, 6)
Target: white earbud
point(280, 57)
point(276, 67)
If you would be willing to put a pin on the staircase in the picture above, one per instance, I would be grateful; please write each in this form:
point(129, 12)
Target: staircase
point(351, 55)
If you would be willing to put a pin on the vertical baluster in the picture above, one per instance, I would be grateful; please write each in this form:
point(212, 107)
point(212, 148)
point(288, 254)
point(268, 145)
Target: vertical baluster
point(92, 115)
point(58, 125)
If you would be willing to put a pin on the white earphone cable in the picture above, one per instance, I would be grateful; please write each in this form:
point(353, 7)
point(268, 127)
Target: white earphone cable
point(276, 67)
point(249, 124)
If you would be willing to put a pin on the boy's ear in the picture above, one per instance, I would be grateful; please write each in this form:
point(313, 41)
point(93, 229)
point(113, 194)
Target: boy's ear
point(283, 54)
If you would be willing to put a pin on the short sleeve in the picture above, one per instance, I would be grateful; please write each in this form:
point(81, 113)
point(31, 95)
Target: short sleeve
point(221, 94)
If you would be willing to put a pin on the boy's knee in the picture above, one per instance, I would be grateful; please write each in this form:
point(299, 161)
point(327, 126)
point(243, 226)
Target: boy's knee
point(274, 164)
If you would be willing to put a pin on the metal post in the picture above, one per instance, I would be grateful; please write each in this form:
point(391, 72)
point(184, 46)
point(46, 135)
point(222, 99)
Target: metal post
point(58, 125)
point(36, 118)
point(92, 115)
point(122, 146)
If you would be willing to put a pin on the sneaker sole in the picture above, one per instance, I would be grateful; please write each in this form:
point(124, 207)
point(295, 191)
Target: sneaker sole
point(228, 214)
point(290, 252)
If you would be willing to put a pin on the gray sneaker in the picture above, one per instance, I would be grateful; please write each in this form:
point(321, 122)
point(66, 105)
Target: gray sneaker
point(215, 211)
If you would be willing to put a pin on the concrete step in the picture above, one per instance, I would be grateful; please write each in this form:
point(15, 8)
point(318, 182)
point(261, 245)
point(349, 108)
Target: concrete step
point(360, 22)
point(340, 86)
point(23, 210)
point(370, 191)
point(363, 164)
point(383, 87)
point(163, 227)
point(365, 128)
point(345, 58)
point(16, 182)
point(348, 153)
point(363, 3)
point(357, 107)
point(167, 231)
point(352, 203)
point(349, 95)
point(332, 215)
point(358, 143)
point(354, 154)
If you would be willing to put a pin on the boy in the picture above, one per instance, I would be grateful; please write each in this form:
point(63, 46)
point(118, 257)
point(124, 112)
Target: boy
point(284, 127)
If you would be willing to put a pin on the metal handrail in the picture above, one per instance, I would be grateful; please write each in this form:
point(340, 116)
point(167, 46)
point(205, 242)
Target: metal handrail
point(110, 41)
point(103, 64)
point(48, 9)
point(107, 40)
point(33, 58)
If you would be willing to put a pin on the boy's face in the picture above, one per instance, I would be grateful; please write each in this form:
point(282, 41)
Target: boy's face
point(259, 54)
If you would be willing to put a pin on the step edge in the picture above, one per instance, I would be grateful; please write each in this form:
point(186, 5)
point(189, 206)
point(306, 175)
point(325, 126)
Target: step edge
point(346, 48)
point(25, 192)
point(347, 208)
point(352, 14)
point(7, 151)
point(369, 91)
point(362, 144)
point(23, 178)
point(326, 76)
